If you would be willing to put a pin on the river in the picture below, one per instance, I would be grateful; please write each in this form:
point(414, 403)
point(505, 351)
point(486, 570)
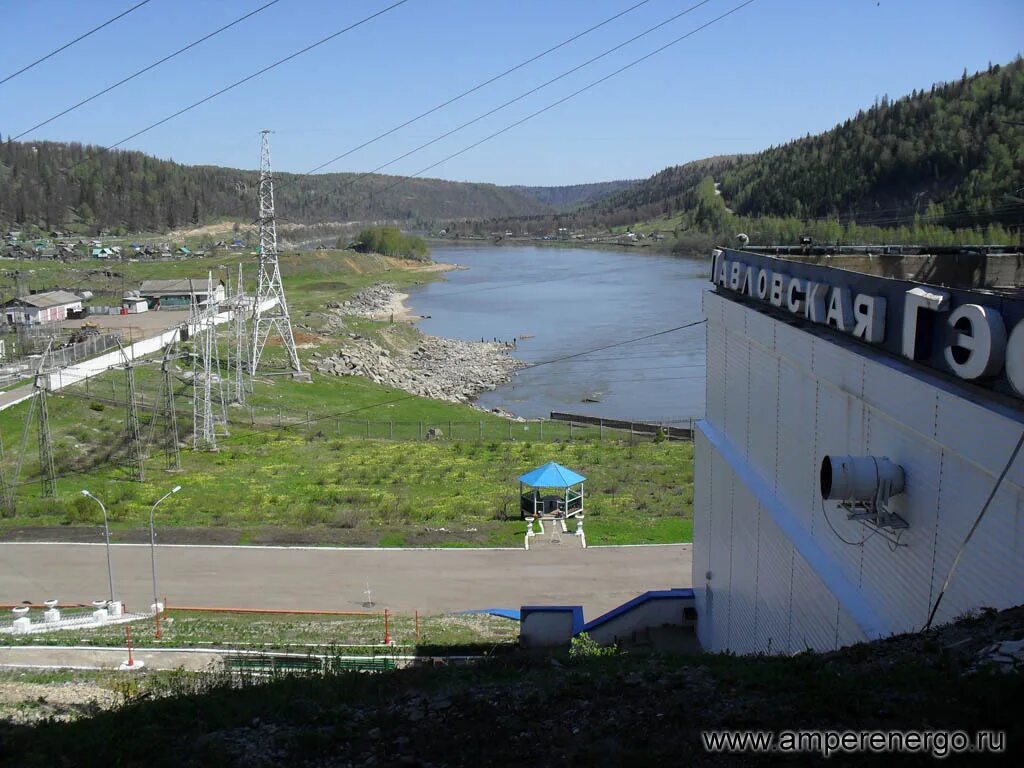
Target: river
point(563, 301)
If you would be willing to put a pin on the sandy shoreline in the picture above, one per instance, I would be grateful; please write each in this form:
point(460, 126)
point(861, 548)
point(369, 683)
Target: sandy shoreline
point(396, 310)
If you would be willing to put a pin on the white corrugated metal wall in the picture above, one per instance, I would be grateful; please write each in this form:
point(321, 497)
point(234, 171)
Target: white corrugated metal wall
point(779, 398)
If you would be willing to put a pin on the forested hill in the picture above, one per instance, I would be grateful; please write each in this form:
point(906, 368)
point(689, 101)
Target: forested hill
point(59, 185)
point(957, 147)
point(571, 197)
point(668, 190)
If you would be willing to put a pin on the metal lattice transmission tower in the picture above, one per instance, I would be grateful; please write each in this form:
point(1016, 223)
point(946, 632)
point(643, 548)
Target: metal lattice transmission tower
point(208, 413)
point(270, 309)
point(133, 429)
point(6, 491)
point(238, 349)
point(42, 386)
point(165, 413)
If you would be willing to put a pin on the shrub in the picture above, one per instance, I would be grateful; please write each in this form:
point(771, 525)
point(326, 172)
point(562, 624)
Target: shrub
point(82, 510)
point(583, 646)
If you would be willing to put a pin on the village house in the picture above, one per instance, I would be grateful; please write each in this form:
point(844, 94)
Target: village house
point(177, 294)
point(38, 308)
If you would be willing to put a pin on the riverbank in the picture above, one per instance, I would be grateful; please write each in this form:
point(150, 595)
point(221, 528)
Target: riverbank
point(430, 366)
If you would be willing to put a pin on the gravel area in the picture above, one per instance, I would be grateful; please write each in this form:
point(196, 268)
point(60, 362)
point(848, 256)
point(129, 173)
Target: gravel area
point(33, 702)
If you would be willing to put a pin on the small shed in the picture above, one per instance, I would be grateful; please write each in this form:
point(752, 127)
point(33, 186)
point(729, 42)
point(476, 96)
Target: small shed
point(133, 305)
point(535, 504)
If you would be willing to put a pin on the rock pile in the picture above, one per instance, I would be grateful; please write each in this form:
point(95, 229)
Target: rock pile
point(444, 369)
point(374, 301)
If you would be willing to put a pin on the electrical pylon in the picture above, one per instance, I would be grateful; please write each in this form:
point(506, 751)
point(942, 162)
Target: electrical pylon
point(164, 412)
point(6, 492)
point(133, 429)
point(42, 386)
point(207, 389)
point(270, 309)
point(238, 350)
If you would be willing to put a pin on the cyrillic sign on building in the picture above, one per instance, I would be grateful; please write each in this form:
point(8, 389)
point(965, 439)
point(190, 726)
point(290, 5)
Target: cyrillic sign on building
point(977, 336)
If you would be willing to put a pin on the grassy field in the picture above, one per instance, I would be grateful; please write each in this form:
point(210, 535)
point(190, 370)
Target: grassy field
point(338, 461)
point(289, 632)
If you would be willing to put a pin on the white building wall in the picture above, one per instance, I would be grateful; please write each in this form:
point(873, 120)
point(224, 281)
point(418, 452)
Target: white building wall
point(779, 399)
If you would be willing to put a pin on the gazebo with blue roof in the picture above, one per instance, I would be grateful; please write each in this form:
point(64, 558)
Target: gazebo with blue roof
point(569, 503)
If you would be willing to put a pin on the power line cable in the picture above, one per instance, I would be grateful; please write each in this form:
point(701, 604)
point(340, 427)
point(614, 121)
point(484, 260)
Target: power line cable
point(52, 53)
point(508, 103)
point(235, 84)
point(970, 533)
point(572, 95)
point(563, 358)
point(269, 429)
point(475, 88)
point(142, 71)
point(527, 367)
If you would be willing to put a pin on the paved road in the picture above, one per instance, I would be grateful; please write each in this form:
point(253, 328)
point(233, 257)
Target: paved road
point(431, 581)
point(14, 396)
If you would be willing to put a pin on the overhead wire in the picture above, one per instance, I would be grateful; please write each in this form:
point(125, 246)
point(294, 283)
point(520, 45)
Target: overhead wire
point(406, 178)
point(266, 429)
point(232, 86)
point(403, 398)
point(519, 122)
point(474, 89)
point(142, 71)
point(67, 45)
point(520, 97)
point(970, 533)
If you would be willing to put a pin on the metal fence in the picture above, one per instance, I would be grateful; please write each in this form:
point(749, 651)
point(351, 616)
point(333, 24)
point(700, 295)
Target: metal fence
point(90, 347)
point(314, 425)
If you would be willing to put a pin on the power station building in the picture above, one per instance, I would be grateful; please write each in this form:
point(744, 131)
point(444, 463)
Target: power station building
point(856, 426)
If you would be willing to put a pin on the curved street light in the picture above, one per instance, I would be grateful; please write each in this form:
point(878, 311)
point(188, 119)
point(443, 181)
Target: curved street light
point(106, 534)
point(152, 548)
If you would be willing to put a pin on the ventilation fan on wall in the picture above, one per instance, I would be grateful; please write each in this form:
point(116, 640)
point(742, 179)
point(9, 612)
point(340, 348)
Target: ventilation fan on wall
point(863, 485)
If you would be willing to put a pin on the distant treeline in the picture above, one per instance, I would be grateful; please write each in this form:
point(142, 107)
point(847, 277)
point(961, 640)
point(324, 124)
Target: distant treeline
point(942, 166)
point(390, 241)
point(952, 155)
point(74, 186)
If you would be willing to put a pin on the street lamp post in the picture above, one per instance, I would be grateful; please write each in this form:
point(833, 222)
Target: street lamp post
point(152, 551)
point(106, 534)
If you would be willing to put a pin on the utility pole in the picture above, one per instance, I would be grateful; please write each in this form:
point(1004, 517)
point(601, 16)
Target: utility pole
point(138, 457)
point(171, 417)
point(270, 309)
point(49, 473)
point(204, 422)
point(6, 492)
point(164, 411)
point(238, 351)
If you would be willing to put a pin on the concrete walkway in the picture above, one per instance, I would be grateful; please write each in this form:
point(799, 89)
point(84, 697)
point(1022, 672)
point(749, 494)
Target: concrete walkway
point(108, 658)
point(430, 581)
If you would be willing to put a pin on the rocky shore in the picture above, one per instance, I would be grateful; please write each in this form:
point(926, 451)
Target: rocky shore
point(377, 302)
point(443, 369)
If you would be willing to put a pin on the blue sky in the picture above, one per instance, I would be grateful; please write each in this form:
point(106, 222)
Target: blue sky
point(773, 71)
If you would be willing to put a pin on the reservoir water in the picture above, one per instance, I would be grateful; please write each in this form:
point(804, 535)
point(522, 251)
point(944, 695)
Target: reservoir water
point(558, 302)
